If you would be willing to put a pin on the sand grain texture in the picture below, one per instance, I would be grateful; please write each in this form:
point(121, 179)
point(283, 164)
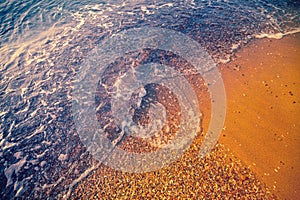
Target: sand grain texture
point(262, 125)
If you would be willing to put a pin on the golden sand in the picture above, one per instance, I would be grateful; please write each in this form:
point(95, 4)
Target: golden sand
point(257, 156)
point(262, 125)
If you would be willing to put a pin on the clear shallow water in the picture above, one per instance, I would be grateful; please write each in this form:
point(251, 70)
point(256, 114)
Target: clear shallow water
point(42, 45)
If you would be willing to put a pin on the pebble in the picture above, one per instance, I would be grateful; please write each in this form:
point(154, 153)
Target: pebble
point(219, 175)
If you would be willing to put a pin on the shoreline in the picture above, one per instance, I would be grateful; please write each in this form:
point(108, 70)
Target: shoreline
point(249, 160)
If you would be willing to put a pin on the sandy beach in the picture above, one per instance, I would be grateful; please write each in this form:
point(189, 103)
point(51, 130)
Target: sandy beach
point(262, 126)
point(257, 156)
point(150, 99)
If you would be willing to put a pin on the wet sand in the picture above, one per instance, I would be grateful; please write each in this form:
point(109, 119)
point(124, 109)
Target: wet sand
point(262, 125)
point(257, 156)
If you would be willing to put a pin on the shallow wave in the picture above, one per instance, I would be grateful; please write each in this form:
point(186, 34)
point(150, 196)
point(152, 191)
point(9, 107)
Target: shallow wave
point(219, 26)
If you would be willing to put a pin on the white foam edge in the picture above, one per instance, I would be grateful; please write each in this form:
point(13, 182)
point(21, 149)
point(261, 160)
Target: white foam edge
point(277, 35)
